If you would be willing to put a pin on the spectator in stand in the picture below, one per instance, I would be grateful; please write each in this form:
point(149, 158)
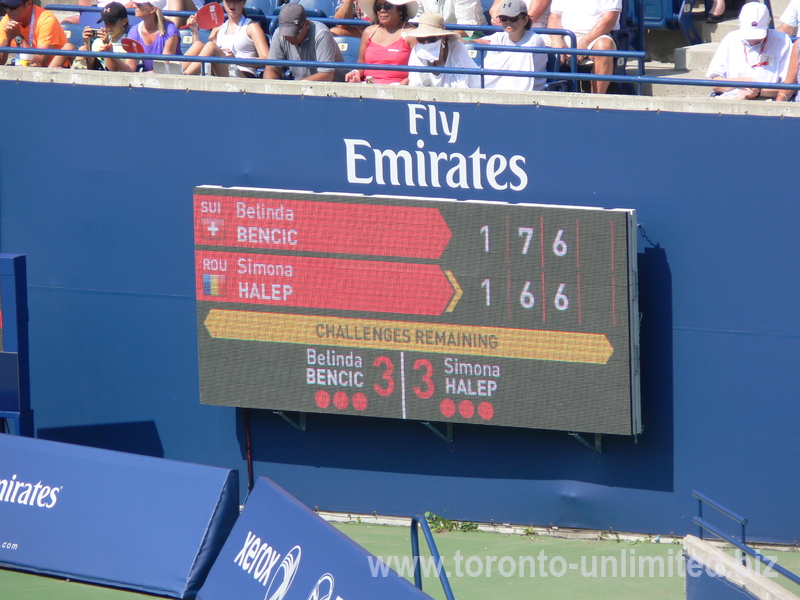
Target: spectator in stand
point(791, 76)
point(717, 12)
point(752, 53)
point(437, 47)
point(592, 21)
point(299, 38)
point(106, 39)
point(238, 36)
point(538, 11)
point(190, 5)
point(349, 9)
point(30, 27)
point(462, 12)
point(516, 22)
point(384, 43)
point(154, 33)
point(790, 18)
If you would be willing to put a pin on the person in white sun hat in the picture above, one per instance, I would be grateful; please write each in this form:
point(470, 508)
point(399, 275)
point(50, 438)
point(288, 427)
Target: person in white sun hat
point(437, 47)
point(754, 52)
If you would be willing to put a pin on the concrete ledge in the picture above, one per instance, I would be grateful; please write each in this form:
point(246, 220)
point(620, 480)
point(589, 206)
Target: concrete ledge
point(732, 569)
point(656, 104)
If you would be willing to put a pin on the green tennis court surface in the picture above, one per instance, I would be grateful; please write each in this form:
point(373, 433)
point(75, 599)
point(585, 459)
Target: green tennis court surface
point(481, 566)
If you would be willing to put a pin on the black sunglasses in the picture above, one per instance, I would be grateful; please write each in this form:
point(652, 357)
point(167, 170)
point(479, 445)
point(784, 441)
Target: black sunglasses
point(387, 6)
point(428, 40)
point(510, 19)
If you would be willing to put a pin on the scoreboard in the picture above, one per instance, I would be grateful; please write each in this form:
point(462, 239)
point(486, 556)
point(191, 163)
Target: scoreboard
point(476, 312)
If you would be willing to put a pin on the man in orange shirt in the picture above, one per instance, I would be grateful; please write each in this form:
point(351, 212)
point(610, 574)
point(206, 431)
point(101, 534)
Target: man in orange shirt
point(28, 26)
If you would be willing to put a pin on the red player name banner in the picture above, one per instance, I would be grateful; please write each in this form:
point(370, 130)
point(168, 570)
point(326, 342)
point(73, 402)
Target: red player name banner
point(473, 312)
point(319, 226)
point(330, 283)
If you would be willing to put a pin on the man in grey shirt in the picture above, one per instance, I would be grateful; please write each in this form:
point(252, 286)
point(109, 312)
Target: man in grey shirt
point(299, 38)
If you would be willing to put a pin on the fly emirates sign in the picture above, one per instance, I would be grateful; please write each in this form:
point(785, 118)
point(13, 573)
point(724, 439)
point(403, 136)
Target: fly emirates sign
point(422, 166)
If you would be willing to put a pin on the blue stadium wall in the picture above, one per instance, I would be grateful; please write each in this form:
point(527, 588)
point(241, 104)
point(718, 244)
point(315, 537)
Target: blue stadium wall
point(96, 189)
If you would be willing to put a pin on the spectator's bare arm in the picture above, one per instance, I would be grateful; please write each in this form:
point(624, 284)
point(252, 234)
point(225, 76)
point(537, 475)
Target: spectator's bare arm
point(536, 9)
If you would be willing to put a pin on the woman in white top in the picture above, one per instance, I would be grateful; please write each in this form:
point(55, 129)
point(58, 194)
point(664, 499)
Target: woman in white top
point(238, 37)
point(515, 19)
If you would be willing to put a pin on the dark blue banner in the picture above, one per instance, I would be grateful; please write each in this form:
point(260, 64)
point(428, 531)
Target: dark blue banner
point(107, 517)
point(279, 549)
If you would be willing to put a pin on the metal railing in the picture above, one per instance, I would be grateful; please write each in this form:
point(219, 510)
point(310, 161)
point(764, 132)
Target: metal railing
point(704, 525)
point(636, 80)
point(419, 520)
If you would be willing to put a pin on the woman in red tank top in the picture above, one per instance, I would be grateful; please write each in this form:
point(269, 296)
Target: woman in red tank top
point(384, 42)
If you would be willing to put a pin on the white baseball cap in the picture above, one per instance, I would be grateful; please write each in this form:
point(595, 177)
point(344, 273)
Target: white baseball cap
point(754, 21)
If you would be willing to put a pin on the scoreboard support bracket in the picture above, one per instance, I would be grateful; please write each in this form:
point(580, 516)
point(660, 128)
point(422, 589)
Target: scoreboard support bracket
point(447, 435)
point(300, 424)
point(598, 441)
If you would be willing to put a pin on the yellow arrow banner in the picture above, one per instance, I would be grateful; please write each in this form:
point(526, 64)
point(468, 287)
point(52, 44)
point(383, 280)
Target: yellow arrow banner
point(526, 344)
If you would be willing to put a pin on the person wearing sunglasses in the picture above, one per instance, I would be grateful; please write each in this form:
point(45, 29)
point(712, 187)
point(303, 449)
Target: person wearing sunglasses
point(239, 36)
point(153, 32)
point(516, 23)
point(754, 52)
point(384, 42)
point(538, 11)
point(437, 47)
point(592, 21)
point(28, 26)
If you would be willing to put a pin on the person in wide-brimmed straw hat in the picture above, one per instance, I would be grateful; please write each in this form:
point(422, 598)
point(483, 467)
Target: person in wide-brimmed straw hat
point(437, 47)
point(384, 42)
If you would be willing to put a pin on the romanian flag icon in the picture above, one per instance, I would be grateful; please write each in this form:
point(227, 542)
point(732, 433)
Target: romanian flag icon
point(213, 285)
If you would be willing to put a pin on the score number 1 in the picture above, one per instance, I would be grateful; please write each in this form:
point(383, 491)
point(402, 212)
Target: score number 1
point(526, 298)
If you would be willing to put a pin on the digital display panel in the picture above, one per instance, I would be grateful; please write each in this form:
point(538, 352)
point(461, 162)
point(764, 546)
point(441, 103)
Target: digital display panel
point(475, 312)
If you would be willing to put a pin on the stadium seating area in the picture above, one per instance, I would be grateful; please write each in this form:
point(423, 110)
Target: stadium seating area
point(683, 63)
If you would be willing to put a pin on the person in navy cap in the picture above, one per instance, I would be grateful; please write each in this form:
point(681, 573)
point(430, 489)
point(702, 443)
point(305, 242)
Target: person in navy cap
point(26, 25)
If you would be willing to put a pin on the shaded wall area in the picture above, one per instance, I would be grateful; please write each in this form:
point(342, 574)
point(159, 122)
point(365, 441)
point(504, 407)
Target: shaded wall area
point(101, 204)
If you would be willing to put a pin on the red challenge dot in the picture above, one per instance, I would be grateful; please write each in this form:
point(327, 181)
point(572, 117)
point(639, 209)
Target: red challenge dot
point(322, 398)
point(340, 400)
point(466, 409)
point(486, 410)
point(359, 401)
point(447, 407)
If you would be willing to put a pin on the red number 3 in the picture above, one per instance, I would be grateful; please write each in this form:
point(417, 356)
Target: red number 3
point(427, 379)
point(387, 376)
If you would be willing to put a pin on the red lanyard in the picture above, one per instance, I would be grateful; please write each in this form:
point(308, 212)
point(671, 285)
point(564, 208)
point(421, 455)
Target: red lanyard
point(760, 50)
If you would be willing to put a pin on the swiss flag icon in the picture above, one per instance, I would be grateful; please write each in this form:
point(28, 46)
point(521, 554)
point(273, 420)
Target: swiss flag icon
point(212, 228)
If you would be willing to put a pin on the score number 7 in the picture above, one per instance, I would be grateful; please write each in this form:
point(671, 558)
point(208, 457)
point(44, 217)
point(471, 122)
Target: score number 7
point(559, 245)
